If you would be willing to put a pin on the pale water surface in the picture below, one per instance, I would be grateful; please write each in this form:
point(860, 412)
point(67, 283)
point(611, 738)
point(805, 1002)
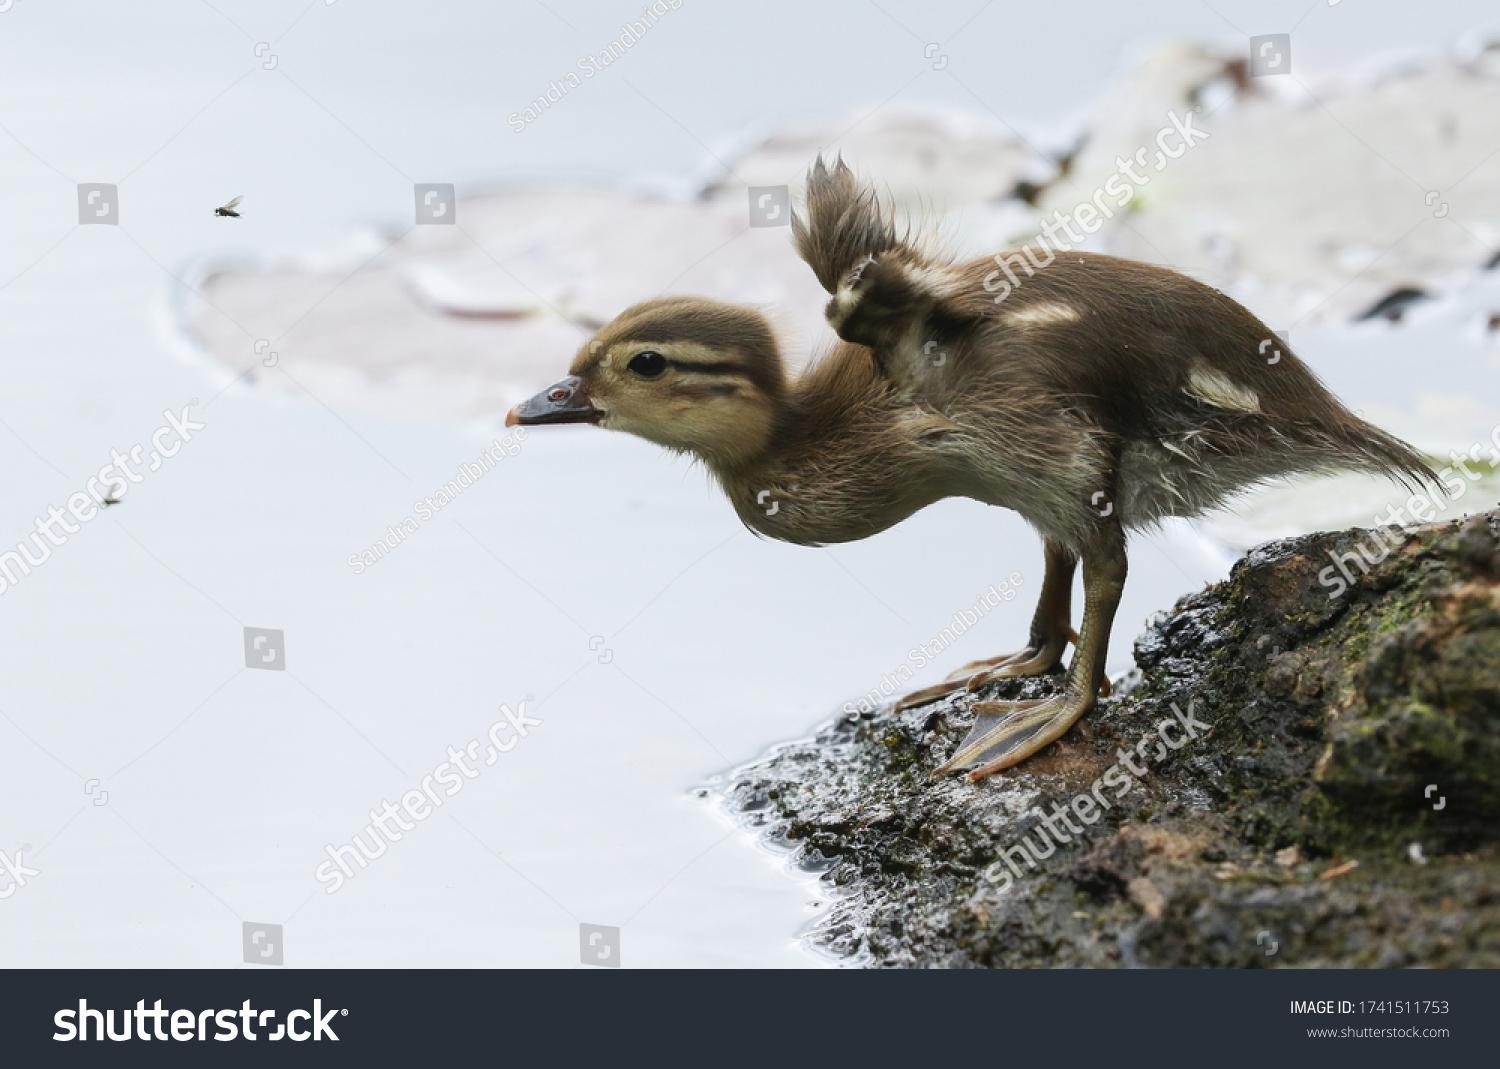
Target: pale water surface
point(658, 641)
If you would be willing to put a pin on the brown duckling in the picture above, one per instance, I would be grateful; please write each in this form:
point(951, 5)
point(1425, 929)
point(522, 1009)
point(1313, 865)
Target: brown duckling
point(1093, 395)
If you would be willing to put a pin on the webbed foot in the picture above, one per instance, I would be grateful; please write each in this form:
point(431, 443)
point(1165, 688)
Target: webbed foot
point(1006, 733)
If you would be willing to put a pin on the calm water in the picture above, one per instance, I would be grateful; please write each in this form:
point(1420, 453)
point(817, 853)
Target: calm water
point(658, 641)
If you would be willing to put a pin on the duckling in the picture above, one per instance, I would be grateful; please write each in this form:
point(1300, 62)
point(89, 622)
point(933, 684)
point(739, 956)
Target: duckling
point(1093, 396)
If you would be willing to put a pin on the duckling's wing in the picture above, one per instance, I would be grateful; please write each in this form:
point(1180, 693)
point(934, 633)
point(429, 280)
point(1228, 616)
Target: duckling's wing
point(888, 294)
point(844, 224)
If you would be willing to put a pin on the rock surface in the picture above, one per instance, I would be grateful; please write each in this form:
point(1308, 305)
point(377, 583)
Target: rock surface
point(1339, 807)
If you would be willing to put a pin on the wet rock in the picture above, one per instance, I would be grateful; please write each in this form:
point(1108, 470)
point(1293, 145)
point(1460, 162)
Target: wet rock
point(1332, 798)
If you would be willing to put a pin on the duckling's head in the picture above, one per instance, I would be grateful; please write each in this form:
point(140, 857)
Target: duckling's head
point(688, 373)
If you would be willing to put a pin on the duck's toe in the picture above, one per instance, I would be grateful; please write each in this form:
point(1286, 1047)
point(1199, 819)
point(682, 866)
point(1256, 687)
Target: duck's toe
point(1031, 661)
point(1034, 660)
point(1026, 663)
point(936, 692)
point(967, 672)
point(1006, 733)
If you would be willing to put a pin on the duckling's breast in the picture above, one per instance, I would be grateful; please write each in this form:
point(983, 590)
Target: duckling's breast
point(831, 510)
point(853, 484)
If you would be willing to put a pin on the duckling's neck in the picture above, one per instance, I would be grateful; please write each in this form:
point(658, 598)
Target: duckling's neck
point(841, 461)
point(736, 469)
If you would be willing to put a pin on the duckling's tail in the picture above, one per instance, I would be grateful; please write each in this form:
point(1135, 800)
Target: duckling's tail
point(845, 224)
point(1366, 447)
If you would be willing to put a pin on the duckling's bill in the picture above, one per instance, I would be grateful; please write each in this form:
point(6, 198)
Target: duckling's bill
point(565, 401)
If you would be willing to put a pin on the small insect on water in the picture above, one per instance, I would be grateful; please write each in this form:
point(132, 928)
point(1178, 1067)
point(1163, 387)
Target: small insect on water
point(229, 209)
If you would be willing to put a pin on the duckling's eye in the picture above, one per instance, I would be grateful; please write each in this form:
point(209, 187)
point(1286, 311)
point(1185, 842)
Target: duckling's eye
point(647, 365)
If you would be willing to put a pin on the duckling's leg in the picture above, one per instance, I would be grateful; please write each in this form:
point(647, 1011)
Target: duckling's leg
point(1050, 634)
point(1006, 733)
point(1051, 627)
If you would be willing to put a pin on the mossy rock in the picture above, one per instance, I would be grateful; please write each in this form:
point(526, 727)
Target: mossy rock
point(1342, 807)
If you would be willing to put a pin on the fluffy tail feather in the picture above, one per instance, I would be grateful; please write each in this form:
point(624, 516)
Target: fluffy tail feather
point(1368, 448)
point(845, 224)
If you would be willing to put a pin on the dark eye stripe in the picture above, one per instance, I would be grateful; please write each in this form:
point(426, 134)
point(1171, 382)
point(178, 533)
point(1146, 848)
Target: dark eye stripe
point(705, 390)
point(710, 367)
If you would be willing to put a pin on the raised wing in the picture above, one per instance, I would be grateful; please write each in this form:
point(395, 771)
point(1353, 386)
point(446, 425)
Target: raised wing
point(904, 303)
point(236, 202)
point(844, 227)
